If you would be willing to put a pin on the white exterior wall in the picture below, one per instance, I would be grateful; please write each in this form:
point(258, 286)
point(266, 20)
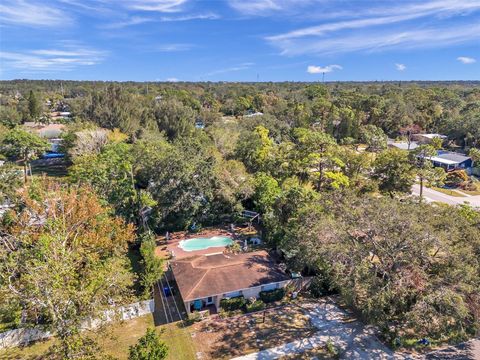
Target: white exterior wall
point(250, 292)
point(246, 293)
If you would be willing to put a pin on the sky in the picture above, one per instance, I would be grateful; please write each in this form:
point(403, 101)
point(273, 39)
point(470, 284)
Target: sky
point(240, 40)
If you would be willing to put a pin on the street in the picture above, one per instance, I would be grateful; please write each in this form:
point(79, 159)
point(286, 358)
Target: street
point(431, 195)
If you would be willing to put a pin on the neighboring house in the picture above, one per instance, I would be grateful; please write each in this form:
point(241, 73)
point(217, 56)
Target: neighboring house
point(51, 132)
point(203, 280)
point(452, 161)
point(427, 138)
point(252, 114)
point(403, 145)
point(60, 115)
point(48, 131)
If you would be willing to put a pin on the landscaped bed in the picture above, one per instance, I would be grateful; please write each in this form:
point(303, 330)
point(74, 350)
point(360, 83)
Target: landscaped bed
point(218, 338)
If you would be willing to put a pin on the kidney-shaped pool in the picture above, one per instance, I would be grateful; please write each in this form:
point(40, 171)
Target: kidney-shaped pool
point(204, 243)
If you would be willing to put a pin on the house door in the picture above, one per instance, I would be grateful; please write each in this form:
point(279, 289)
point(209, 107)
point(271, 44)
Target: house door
point(210, 300)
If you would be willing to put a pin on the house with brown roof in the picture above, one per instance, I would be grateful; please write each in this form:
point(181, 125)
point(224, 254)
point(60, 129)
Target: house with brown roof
point(204, 280)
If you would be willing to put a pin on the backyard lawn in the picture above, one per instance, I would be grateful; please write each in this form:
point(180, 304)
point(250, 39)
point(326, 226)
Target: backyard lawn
point(120, 337)
point(218, 338)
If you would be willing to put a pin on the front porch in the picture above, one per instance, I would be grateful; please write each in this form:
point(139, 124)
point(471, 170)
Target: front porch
point(209, 303)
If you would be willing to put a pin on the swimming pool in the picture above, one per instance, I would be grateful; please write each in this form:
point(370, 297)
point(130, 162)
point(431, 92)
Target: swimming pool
point(204, 243)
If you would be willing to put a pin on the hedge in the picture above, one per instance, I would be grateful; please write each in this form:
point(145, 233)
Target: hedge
point(272, 295)
point(256, 306)
point(232, 304)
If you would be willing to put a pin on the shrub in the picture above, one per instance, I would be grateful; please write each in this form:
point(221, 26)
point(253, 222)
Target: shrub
point(194, 317)
point(470, 186)
point(332, 349)
point(233, 248)
point(272, 295)
point(455, 178)
point(321, 286)
point(223, 313)
point(236, 303)
point(257, 305)
point(148, 347)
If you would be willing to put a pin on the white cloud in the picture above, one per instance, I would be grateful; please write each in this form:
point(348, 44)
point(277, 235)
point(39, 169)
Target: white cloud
point(329, 9)
point(239, 67)
point(380, 28)
point(466, 60)
point(55, 59)
point(27, 13)
point(266, 7)
point(168, 6)
point(379, 41)
point(171, 47)
point(254, 6)
point(319, 70)
point(134, 20)
point(400, 67)
point(205, 16)
point(172, 79)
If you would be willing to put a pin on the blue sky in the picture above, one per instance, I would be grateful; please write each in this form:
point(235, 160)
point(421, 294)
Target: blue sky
point(240, 40)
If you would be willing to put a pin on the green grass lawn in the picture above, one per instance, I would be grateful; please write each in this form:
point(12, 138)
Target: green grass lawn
point(120, 337)
point(473, 193)
point(448, 191)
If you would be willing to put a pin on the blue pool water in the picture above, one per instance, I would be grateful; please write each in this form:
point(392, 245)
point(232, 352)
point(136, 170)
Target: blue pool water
point(204, 243)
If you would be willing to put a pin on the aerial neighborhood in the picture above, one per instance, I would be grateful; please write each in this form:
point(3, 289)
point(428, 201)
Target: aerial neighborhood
point(239, 180)
point(238, 238)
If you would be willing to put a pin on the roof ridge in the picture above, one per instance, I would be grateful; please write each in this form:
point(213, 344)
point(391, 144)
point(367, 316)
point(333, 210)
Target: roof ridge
point(198, 283)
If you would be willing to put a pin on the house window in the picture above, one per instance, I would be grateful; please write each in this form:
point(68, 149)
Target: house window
point(234, 294)
point(210, 300)
point(270, 287)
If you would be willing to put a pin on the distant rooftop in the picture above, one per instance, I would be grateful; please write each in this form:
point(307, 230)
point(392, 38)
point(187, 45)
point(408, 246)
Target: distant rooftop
point(403, 145)
point(433, 136)
point(47, 131)
point(449, 158)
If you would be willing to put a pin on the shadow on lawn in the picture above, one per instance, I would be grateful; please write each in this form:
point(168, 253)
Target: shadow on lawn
point(248, 333)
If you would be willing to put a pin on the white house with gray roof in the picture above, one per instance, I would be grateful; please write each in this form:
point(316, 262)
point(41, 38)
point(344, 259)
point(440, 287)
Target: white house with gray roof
point(452, 161)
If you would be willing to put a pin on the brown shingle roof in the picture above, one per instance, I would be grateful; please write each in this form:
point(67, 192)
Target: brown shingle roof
point(202, 276)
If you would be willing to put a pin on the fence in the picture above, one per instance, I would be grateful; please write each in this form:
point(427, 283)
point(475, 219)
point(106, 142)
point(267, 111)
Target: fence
point(300, 283)
point(24, 336)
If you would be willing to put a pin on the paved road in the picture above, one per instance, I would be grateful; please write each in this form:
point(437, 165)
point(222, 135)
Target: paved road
point(432, 195)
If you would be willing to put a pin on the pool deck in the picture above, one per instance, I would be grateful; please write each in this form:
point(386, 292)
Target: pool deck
point(175, 238)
